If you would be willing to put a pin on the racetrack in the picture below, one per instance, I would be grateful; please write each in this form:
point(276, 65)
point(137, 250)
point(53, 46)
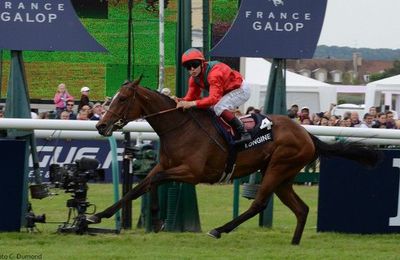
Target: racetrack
point(215, 207)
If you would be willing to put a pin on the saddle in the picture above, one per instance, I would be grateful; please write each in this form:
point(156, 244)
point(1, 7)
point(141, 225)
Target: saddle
point(260, 128)
point(258, 125)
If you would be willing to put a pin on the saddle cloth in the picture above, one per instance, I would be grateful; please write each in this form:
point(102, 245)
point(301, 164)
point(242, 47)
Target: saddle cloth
point(260, 128)
point(258, 125)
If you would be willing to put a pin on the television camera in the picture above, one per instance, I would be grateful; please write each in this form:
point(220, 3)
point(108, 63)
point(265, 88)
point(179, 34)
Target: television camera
point(73, 178)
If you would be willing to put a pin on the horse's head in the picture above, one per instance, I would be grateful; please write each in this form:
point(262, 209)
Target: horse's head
point(124, 107)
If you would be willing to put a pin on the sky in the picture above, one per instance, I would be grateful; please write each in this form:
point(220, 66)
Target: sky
point(362, 24)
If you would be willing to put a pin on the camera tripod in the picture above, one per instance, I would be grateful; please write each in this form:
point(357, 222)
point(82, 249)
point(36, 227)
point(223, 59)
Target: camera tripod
point(79, 224)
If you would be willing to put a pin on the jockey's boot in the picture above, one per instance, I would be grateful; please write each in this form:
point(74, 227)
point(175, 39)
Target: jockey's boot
point(239, 127)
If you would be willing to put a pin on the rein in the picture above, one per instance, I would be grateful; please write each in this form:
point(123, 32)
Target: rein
point(160, 112)
point(207, 133)
point(123, 121)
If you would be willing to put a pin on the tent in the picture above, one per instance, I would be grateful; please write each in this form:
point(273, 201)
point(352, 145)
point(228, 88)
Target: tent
point(300, 90)
point(384, 93)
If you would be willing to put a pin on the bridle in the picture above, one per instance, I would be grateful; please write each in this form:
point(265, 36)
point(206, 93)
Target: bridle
point(121, 122)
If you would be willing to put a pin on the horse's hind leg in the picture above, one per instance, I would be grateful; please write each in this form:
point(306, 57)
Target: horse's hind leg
point(288, 196)
point(258, 205)
point(276, 175)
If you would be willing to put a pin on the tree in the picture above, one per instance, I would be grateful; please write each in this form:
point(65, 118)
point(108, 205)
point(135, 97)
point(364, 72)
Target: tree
point(395, 70)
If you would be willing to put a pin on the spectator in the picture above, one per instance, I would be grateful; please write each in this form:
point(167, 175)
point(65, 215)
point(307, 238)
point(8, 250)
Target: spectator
point(380, 121)
point(347, 114)
point(372, 111)
point(70, 109)
point(347, 121)
point(97, 112)
point(44, 115)
point(316, 118)
point(355, 118)
point(367, 122)
point(64, 115)
point(397, 124)
point(324, 121)
point(342, 123)
point(390, 122)
point(166, 91)
point(294, 108)
point(304, 113)
point(292, 115)
point(84, 97)
point(60, 99)
point(1, 114)
point(293, 112)
point(83, 115)
point(333, 121)
point(306, 121)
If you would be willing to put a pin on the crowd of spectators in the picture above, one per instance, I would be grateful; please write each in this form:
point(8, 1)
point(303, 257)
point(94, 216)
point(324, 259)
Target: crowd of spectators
point(65, 106)
point(372, 119)
point(64, 109)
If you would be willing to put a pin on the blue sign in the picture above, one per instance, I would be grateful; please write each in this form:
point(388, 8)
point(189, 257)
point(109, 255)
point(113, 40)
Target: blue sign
point(46, 25)
point(274, 29)
point(66, 152)
point(355, 200)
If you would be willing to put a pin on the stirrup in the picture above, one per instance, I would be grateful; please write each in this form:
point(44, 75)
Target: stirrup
point(245, 137)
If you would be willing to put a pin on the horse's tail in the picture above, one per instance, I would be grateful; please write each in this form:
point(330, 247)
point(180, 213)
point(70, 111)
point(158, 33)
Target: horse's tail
point(355, 151)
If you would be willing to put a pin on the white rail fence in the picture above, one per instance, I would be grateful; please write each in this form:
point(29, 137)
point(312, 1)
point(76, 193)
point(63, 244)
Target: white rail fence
point(76, 129)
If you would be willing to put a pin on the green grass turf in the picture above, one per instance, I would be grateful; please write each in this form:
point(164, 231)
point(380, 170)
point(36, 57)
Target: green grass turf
point(215, 207)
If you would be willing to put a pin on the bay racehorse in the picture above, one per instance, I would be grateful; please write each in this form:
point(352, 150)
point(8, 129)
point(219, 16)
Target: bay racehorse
point(192, 151)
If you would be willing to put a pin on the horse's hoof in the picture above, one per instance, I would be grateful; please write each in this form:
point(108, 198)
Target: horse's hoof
point(215, 234)
point(93, 220)
point(159, 226)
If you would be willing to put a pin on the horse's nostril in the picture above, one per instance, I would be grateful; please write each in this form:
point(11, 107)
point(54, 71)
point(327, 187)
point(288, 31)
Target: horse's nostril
point(100, 127)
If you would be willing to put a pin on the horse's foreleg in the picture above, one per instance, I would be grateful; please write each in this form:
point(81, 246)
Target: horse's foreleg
point(133, 194)
point(180, 173)
point(155, 218)
point(156, 176)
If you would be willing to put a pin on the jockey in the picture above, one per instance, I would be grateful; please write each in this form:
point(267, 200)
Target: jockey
point(227, 89)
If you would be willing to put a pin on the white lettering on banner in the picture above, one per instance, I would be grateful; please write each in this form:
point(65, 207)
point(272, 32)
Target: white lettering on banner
point(278, 22)
point(27, 17)
point(47, 14)
point(108, 160)
point(278, 27)
point(52, 155)
point(395, 221)
point(87, 152)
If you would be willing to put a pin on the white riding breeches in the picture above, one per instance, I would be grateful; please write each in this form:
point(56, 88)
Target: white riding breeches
point(233, 99)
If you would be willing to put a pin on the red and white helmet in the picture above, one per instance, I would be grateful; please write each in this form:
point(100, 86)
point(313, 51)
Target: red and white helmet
point(192, 54)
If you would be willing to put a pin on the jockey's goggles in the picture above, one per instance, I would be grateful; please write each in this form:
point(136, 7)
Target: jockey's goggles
point(192, 64)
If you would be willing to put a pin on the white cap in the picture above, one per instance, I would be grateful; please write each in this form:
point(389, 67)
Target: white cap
point(84, 89)
point(166, 91)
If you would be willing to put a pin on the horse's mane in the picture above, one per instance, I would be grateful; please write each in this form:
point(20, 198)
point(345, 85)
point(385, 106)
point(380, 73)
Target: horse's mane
point(164, 97)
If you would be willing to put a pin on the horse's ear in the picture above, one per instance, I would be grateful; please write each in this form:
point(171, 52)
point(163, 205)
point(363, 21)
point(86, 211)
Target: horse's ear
point(137, 81)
